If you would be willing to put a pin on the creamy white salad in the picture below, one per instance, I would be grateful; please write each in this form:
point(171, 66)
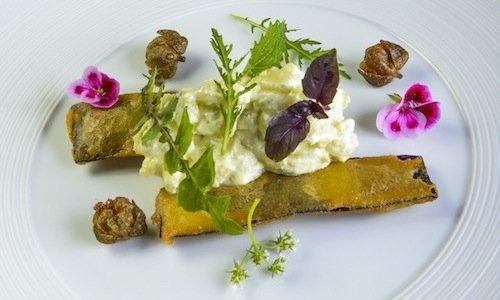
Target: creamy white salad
point(330, 139)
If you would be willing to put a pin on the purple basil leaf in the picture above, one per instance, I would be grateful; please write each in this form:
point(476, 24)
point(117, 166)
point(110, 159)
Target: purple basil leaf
point(287, 129)
point(322, 78)
point(317, 110)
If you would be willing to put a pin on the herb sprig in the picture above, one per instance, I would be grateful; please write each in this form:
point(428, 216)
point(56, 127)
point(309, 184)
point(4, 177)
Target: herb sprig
point(298, 46)
point(259, 252)
point(192, 192)
point(227, 68)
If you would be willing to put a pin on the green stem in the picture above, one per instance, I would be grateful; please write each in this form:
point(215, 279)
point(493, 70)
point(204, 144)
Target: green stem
point(249, 220)
point(227, 77)
point(156, 118)
point(228, 124)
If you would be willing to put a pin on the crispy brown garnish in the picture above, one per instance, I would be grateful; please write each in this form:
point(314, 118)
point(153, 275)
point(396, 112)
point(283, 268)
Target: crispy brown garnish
point(382, 63)
point(164, 52)
point(371, 184)
point(118, 219)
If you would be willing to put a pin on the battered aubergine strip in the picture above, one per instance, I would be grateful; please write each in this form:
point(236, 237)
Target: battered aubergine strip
point(371, 184)
point(103, 133)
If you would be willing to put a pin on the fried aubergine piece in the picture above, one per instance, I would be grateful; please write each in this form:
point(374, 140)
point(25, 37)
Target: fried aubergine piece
point(371, 184)
point(103, 133)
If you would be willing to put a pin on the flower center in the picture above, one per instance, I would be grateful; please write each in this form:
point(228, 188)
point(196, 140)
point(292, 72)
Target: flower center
point(100, 91)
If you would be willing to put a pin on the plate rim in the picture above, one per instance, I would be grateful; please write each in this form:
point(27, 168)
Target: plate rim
point(480, 135)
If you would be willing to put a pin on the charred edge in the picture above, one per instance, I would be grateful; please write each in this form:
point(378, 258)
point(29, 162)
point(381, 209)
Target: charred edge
point(421, 174)
point(385, 206)
point(406, 157)
point(341, 209)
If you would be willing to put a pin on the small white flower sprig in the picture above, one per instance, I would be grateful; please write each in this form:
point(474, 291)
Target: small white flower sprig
point(259, 252)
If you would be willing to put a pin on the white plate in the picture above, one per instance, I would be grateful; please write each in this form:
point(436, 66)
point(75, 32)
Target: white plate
point(430, 250)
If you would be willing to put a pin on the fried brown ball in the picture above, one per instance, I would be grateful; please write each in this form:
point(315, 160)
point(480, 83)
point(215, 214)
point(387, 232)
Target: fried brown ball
point(382, 63)
point(118, 219)
point(164, 52)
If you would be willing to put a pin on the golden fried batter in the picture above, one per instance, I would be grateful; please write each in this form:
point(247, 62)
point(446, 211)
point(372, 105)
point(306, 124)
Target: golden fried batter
point(103, 133)
point(371, 184)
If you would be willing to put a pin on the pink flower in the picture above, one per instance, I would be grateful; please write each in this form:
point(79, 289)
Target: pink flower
point(95, 88)
point(411, 116)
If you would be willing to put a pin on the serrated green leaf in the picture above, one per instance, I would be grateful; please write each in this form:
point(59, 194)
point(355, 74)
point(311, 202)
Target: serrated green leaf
point(268, 51)
point(151, 133)
point(149, 88)
point(184, 134)
point(229, 76)
point(182, 142)
point(225, 225)
point(217, 207)
point(246, 89)
point(163, 138)
point(203, 171)
point(300, 47)
point(168, 112)
point(172, 162)
point(189, 196)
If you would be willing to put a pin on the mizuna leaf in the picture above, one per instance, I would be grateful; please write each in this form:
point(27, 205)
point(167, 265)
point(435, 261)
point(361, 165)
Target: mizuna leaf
point(230, 76)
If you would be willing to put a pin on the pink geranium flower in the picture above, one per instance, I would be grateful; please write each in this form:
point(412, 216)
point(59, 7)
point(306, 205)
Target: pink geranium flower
point(95, 88)
point(415, 113)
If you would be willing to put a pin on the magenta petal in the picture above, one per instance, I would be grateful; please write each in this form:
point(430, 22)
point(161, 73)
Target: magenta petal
point(391, 126)
point(95, 88)
point(76, 88)
point(432, 112)
point(417, 93)
point(89, 96)
point(110, 86)
point(382, 115)
point(403, 123)
point(93, 77)
point(412, 123)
